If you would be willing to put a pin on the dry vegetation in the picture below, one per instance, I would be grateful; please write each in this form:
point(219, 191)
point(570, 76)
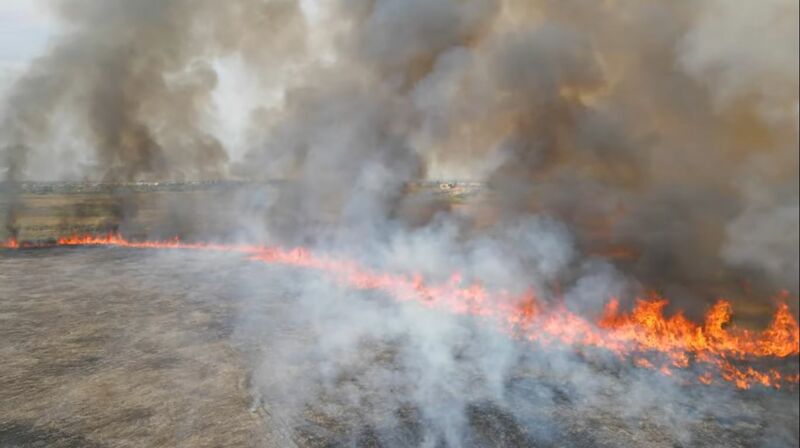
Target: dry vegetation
point(113, 347)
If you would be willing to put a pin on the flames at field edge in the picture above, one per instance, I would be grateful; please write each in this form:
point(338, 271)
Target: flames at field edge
point(716, 350)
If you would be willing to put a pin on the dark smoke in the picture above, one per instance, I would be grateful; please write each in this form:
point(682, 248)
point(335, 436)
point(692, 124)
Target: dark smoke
point(133, 81)
point(626, 146)
point(633, 123)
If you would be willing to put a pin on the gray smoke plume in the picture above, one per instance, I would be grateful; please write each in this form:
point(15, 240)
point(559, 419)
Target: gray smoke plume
point(626, 145)
point(133, 84)
point(655, 139)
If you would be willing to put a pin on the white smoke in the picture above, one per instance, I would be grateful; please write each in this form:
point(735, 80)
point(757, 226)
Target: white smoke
point(596, 125)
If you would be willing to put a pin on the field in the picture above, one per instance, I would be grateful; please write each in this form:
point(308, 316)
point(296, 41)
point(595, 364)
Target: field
point(107, 347)
point(113, 347)
point(42, 212)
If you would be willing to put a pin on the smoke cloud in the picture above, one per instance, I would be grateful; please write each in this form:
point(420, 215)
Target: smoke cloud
point(625, 146)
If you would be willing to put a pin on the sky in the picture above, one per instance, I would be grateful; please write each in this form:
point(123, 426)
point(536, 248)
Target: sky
point(25, 29)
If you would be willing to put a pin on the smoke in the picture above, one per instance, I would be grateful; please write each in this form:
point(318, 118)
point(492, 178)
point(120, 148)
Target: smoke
point(626, 145)
point(132, 82)
point(650, 145)
point(758, 75)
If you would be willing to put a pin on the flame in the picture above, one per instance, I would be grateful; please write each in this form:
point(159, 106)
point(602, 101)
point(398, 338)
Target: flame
point(10, 244)
point(644, 335)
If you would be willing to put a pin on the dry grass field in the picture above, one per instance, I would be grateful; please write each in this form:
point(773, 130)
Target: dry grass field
point(124, 348)
point(105, 347)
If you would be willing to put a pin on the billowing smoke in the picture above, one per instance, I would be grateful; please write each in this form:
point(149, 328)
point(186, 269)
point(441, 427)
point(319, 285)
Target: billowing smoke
point(625, 145)
point(656, 130)
point(125, 92)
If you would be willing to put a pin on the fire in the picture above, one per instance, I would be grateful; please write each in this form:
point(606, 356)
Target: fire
point(10, 244)
point(645, 335)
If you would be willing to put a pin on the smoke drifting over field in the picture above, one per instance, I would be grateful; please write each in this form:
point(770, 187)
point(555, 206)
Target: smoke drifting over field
point(627, 145)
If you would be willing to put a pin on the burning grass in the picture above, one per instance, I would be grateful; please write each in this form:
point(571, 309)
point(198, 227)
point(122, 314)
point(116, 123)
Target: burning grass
point(114, 346)
point(644, 336)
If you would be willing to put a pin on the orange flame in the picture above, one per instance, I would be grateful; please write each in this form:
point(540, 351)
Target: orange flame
point(644, 335)
point(10, 244)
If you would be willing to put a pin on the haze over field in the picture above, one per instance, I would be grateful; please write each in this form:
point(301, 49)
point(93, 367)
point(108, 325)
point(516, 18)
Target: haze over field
point(615, 117)
point(627, 149)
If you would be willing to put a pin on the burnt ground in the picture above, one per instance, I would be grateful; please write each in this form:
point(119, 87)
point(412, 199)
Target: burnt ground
point(124, 348)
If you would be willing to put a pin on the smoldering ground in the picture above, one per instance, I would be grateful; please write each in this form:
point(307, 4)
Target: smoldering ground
point(666, 133)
